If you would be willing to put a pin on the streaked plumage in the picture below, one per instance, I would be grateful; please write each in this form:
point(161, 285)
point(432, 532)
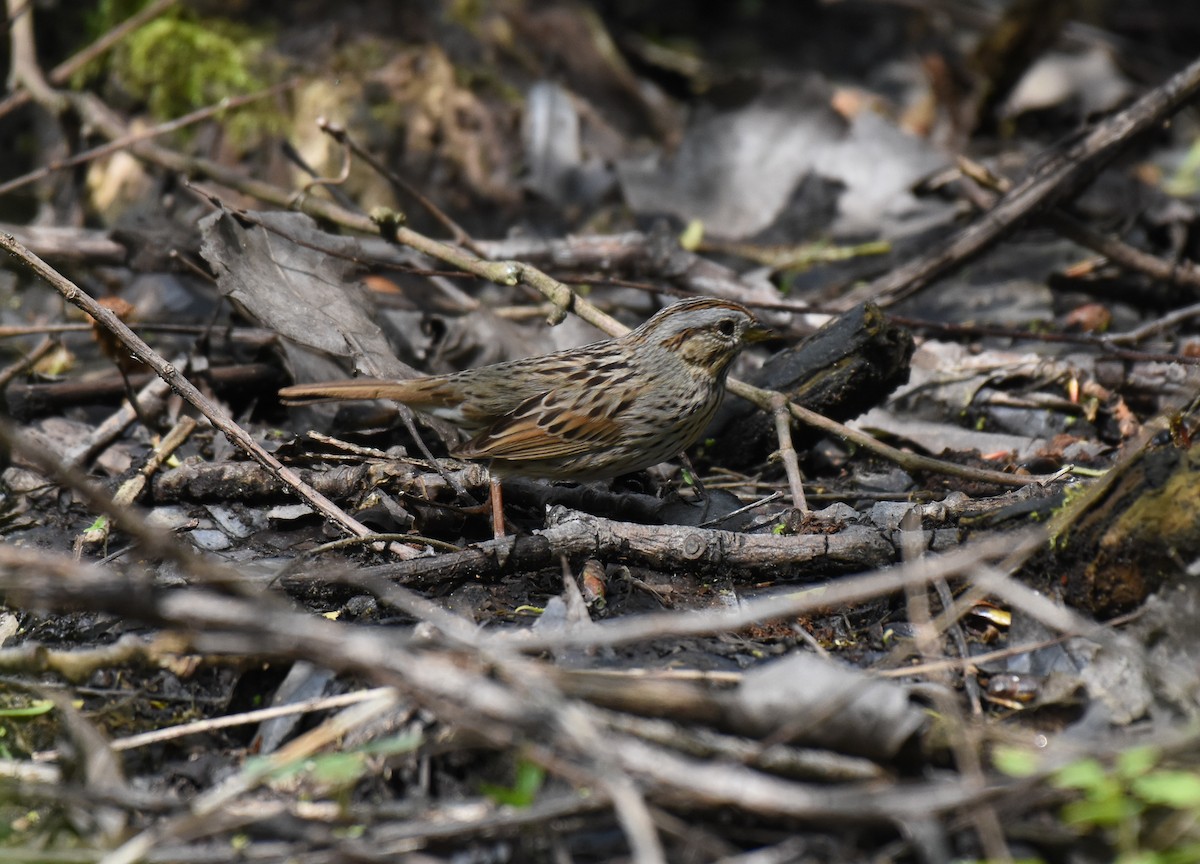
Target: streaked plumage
point(586, 413)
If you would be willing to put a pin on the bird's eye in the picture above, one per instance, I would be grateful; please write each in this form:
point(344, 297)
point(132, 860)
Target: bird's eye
point(726, 327)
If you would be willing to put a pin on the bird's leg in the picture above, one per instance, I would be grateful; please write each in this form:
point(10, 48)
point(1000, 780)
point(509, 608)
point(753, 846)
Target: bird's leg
point(497, 506)
point(691, 470)
point(131, 395)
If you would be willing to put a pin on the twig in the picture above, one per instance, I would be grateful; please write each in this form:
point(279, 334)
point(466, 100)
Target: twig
point(148, 400)
point(1153, 328)
point(131, 490)
point(787, 452)
point(28, 361)
point(70, 244)
point(77, 665)
point(205, 807)
point(212, 724)
point(1060, 176)
point(753, 505)
point(961, 736)
point(334, 183)
point(112, 146)
point(339, 134)
point(953, 625)
point(1106, 343)
point(566, 299)
point(1185, 273)
point(255, 336)
point(907, 461)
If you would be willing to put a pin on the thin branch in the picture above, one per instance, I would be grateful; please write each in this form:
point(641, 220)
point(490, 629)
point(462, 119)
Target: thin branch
point(339, 134)
point(787, 451)
point(28, 361)
point(1057, 178)
point(229, 721)
point(124, 141)
point(1185, 273)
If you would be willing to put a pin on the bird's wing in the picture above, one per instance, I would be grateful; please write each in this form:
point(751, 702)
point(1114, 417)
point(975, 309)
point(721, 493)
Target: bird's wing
point(553, 425)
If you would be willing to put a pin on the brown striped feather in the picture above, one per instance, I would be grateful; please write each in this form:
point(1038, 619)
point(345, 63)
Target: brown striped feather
point(551, 426)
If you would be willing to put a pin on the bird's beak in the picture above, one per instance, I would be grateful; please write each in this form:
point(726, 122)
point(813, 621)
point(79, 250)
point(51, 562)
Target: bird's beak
point(758, 333)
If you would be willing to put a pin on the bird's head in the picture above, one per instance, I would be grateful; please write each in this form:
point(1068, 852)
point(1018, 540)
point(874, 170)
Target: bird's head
point(705, 332)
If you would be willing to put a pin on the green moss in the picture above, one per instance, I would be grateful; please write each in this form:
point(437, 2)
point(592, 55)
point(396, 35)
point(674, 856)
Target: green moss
point(177, 66)
point(178, 63)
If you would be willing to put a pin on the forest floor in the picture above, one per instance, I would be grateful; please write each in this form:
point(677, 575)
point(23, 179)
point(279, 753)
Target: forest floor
point(923, 591)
